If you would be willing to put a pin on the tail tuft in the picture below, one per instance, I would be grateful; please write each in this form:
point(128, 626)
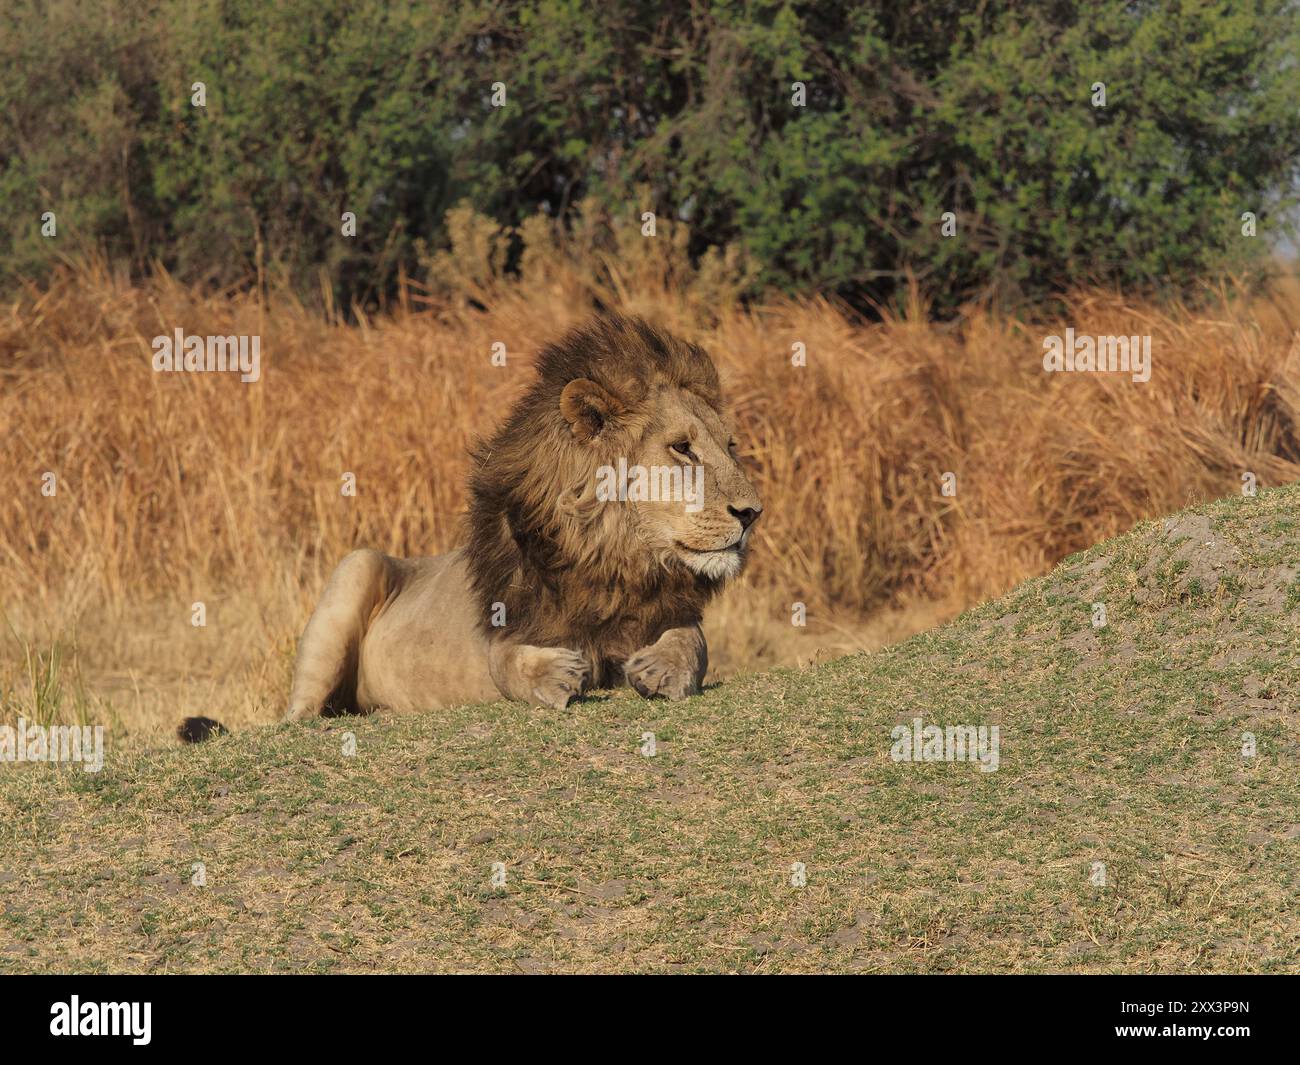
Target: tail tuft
point(198, 729)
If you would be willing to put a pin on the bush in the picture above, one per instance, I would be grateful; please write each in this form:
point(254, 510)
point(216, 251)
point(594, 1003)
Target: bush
point(384, 108)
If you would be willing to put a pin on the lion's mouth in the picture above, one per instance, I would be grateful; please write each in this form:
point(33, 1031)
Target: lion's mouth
point(733, 548)
point(716, 563)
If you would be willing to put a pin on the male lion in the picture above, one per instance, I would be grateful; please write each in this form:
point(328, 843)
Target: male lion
point(558, 589)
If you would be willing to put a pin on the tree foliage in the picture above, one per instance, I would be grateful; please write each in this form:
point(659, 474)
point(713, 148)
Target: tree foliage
point(911, 109)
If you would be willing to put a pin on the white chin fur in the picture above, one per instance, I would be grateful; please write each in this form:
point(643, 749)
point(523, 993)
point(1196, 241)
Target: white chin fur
point(716, 565)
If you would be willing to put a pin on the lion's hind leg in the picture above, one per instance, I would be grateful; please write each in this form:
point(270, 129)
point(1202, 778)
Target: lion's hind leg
point(325, 672)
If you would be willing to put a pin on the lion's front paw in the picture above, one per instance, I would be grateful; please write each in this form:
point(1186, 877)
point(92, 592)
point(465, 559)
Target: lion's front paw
point(651, 673)
point(557, 675)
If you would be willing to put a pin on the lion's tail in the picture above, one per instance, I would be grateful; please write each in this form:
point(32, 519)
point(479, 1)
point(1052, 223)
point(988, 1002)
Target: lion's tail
point(198, 729)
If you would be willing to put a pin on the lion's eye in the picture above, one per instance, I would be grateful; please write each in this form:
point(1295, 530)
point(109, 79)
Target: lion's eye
point(683, 448)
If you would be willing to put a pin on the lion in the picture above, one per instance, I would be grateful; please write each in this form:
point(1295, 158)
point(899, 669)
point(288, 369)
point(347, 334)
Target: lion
point(559, 588)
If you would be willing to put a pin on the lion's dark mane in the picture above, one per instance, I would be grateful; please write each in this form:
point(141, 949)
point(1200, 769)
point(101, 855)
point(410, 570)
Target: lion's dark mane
point(563, 580)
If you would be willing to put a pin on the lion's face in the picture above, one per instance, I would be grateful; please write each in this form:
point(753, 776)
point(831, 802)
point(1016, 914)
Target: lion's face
point(673, 465)
point(609, 506)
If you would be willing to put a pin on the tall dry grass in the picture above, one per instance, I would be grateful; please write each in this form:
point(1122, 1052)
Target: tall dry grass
point(174, 489)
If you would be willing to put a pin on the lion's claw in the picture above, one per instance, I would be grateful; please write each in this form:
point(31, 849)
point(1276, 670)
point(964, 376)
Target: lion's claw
point(649, 675)
point(558, 677)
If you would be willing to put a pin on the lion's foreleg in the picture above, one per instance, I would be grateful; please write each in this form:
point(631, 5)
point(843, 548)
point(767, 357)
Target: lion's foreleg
point(550, 676)
point(330, 647)
point(673, 666)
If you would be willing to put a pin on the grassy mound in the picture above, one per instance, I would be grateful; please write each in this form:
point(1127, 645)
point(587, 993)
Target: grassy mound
point(1123, 830)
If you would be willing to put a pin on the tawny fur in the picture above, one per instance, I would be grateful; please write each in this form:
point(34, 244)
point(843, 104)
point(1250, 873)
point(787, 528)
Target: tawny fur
point(568, 572)
point(556, 590)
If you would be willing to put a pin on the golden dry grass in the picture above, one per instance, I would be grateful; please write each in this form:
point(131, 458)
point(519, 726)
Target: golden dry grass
point(175, 488)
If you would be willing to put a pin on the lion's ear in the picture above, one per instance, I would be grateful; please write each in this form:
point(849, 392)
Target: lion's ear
point(587, 407)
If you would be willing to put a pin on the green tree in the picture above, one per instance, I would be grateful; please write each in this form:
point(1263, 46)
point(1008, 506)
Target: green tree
point(910, 109)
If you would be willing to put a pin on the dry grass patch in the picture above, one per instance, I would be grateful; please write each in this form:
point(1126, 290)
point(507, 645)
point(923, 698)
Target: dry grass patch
point(174, 489)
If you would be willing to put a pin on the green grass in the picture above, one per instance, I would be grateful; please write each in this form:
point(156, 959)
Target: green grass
point(49, 690)
point(1120, 745)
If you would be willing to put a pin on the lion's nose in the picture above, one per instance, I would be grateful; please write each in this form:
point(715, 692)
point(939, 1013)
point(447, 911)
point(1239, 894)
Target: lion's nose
point(746, 517)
